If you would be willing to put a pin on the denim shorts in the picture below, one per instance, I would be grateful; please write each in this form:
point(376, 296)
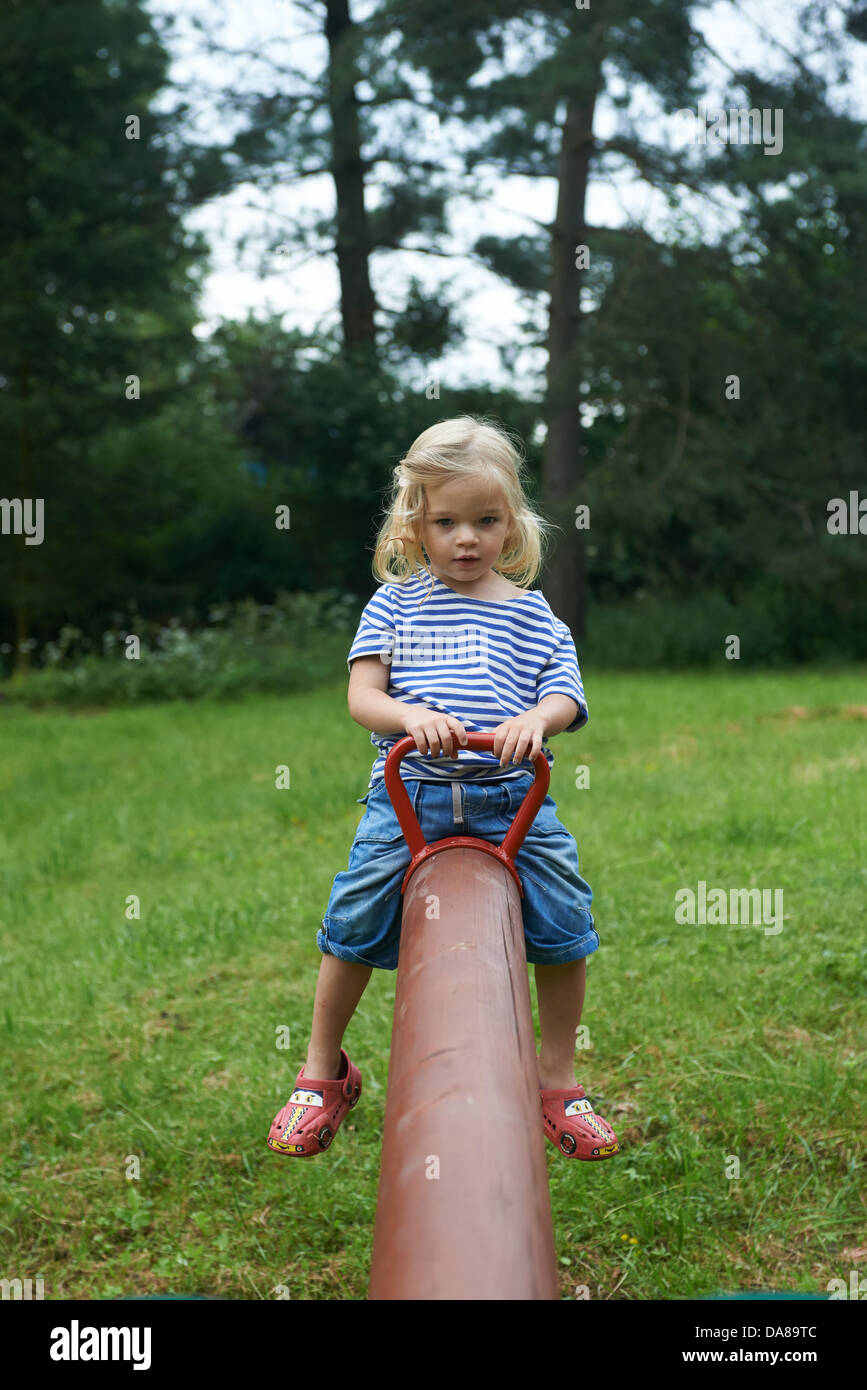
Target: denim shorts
point(363, 918)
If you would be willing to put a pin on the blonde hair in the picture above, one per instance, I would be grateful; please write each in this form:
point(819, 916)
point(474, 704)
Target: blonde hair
point(459, 449)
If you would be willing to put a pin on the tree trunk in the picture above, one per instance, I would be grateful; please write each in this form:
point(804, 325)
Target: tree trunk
point(356, 297)
point(562, 470)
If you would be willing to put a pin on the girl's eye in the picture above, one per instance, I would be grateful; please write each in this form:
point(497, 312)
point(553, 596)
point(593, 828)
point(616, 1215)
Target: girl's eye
point(444, 520)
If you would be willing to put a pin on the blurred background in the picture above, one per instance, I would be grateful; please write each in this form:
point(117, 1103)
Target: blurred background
point(252, 250)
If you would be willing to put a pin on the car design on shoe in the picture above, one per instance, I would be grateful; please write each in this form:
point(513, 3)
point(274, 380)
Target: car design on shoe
point(306, 1098)
point(301, 1101)
point(573, 1127)
point(577, 1107)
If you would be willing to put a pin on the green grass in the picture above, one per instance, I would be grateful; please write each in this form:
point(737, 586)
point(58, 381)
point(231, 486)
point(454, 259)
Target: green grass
point(154, 1039)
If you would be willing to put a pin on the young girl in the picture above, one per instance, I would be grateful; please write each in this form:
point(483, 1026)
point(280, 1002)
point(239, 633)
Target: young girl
point(449, 642)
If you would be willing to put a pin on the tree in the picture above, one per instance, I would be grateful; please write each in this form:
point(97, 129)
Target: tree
point(356, 120)
point(96, 283)
point(529, 78)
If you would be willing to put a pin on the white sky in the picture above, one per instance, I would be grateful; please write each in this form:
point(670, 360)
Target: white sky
point(305, 290)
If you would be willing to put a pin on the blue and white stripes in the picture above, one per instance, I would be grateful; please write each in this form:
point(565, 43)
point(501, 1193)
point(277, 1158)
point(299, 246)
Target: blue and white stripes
point(481, 660)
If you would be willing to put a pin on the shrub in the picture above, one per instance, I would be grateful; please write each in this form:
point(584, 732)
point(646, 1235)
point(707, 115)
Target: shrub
point(295, 642)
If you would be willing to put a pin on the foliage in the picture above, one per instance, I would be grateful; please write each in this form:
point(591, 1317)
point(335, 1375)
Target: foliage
point(691, 629)
point(290, 644)
point(165, 504)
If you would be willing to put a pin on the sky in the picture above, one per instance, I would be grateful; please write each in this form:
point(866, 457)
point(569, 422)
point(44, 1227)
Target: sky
point(304, 289)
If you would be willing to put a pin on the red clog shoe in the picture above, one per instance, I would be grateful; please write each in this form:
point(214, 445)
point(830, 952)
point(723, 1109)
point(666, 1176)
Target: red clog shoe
point(314, 1112)
point(574, 1128)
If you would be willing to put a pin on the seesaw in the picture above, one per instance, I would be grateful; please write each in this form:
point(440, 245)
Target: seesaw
point(463, 1209)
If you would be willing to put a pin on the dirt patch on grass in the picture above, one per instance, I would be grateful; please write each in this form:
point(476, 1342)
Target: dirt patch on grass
point(795, 714)
point(829, 767)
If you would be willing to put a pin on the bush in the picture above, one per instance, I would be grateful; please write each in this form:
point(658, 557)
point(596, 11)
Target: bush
point(776, 629)
point(300, 639)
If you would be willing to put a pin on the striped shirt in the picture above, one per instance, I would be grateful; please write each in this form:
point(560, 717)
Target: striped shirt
point(481, 660)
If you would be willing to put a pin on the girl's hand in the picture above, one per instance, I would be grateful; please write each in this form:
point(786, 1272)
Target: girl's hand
point(519, 738)
point(431, 729)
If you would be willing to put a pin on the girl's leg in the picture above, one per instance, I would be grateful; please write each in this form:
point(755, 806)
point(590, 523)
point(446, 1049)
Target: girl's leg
point(560, 991)
point(338, 990)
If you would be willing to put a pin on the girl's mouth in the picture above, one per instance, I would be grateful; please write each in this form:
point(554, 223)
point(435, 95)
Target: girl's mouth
point(468, 561)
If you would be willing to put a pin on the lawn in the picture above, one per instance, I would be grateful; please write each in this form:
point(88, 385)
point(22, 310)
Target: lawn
point(141, 1053)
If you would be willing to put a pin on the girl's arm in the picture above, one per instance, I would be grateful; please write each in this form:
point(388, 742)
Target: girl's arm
point(369, 705)
point(558, 711)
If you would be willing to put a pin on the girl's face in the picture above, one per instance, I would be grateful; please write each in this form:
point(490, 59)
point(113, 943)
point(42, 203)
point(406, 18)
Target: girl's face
point(464, 520)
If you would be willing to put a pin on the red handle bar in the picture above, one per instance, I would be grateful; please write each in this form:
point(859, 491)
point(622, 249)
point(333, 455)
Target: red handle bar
point(408, 820)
